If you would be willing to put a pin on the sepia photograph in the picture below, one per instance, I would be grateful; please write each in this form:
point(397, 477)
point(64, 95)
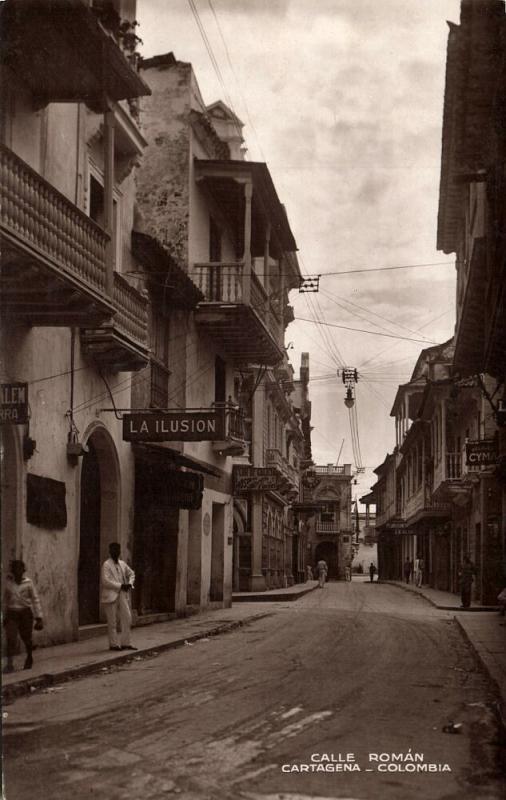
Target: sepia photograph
point(253, 399)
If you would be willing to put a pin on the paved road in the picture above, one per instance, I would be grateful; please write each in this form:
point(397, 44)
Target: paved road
point(353, 671)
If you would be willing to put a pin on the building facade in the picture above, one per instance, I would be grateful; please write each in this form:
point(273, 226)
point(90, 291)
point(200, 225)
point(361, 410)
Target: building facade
point(74, 320)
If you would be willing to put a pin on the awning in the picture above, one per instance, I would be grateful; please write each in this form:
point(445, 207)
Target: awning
point(167, 456)
point(167, 276)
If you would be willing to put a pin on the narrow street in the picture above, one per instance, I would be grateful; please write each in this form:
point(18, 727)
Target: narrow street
point(353, 671)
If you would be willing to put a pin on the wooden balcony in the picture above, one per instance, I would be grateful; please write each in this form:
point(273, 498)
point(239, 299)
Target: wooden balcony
point(423, 506)
point(121, 344)
point(289, 477)
point(63, 54)
point(326, 528)
point(237, 312)
point(53, 255)
point(234, 441)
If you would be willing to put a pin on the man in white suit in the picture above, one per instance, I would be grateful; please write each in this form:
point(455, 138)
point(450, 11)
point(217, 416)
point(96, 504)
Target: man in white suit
point(117, 580)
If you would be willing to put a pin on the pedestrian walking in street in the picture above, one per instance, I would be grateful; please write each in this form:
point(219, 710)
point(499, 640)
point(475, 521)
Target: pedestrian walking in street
point(309, 573)
point(421, 570)
point(466, 575)
point(372, 571)
point(322, 570)
point(347, 572)
point(117, 580)
point(21, 605)
point(407, 570)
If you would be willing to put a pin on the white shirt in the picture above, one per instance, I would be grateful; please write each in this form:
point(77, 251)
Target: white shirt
point(113, 575)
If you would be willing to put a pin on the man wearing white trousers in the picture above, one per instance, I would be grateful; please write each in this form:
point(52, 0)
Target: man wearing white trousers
point(117, 580)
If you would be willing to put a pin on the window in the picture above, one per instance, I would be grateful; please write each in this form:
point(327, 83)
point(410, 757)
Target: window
point(214, 241)
point(96, 210)
point(159, 359)
point(220, 380)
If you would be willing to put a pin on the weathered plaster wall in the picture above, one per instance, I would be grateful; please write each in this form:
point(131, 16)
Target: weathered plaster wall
point(163, 181)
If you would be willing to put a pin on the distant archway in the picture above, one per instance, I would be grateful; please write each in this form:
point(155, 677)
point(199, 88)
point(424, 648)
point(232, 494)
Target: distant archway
point(328, 552)
point(99, 520)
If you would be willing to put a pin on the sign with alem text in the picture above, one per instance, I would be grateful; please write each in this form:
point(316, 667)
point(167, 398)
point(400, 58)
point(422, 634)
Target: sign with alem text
point(14, 403)
point(174, 426)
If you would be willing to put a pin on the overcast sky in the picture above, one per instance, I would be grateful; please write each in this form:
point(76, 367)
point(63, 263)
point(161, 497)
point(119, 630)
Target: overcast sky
point(343, 100)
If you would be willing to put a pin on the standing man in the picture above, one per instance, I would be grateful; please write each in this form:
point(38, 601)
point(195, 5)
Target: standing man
point(21, 605)
point(421, 569)
point(117, 580)
point(322, 570)
point(467, 573)
point(372, 571)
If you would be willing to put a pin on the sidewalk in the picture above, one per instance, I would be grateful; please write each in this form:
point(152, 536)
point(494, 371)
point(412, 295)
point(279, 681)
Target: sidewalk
point(485, 632)
point(53, 665)
point(57, 664)
point(275, 595)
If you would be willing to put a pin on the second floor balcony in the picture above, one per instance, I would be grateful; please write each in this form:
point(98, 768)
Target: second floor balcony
point(287, 473)
point(234, 439)
point(121, 344)
point(53, 255)
point(327, 527)
point(237, 311)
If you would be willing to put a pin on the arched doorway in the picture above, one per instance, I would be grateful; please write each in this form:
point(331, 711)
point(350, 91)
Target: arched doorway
point(98, 520)
point(328, 552)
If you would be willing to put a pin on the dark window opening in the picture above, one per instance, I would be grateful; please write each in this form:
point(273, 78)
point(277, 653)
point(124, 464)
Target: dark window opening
point(220, 380)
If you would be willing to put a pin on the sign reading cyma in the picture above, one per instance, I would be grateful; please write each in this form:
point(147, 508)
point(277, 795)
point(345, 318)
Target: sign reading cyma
point(175, 426)
point(481, 453)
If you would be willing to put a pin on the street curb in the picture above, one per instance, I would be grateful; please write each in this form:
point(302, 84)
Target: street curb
point(473, 609)
point(482, 659)
point(27, 686)
point(265, 597)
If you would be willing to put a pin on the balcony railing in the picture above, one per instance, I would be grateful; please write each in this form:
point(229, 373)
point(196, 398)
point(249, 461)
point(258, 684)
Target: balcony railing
point(50, 231)
point(225, 282)
point(131, 310)
point(121, 344)
point(234, 441)
point(327, 527)
point(274, 458)
point(453, 466)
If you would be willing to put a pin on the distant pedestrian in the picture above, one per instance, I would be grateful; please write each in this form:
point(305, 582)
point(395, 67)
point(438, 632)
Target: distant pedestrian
point(309, 573)
point(372, 571)
point(322, 570)
point(21, 605)
point(421, 570)
point(347, 572)
point(466, 575)
point(407, 570)
point(117, 580)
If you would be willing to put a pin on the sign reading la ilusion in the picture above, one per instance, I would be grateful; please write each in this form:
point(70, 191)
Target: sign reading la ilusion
point(175, 426)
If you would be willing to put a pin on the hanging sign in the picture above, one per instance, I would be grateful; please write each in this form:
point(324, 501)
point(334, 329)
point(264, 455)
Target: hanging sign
point(184, 490)
point(174, 426)
point(481, 453)
point(14, 403)
point(256, 479)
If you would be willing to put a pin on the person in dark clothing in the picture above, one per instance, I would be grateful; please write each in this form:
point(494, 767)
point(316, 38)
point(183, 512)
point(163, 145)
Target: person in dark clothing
point(372, 571)
point(467, 573)
point(407, 570)
point(21, 606)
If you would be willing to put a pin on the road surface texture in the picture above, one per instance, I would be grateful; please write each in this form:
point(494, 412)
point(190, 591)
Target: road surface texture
point(353, 673)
